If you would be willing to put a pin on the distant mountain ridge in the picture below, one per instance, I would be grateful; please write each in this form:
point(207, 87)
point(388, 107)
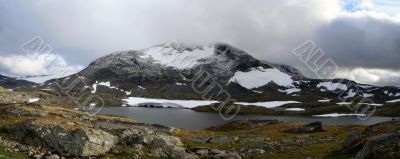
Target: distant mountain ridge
point(163, 71)
point(12, 83)
point(156, 72)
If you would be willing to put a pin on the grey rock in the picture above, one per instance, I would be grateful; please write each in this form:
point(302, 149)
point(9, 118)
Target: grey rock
point(198, 139)
point(81, 142)
point(179, 152)
point(37, 156)
point(202, 152)
point(217, 151)
point(158, 152)
point(227, 156)
point(224, 139)
point(52, 157)
point(137, 147)
point(160, 140)
point(94, 142)
point(381, 146)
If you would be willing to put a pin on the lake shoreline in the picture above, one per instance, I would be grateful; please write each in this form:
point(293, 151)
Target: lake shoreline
point(194, 120)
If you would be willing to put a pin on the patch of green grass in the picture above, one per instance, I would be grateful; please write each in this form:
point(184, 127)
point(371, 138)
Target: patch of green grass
point(11, 155)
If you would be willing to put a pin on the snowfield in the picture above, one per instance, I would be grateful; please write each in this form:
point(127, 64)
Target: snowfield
point(295, 109)
point(337, 115)
point(271, 104)
point(259, 76)
point(324, 100)
point(290, 90)
point(393, 101)
point(137, 101)
point(33, 100)
point(350, 94)
point(344, 103)
point(107, 84)
point(171, 56)
point(332, 86)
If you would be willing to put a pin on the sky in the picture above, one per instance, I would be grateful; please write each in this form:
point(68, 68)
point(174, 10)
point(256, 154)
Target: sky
point(361, 36)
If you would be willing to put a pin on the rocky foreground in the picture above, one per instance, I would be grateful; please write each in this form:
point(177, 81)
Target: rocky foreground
point(44, 130)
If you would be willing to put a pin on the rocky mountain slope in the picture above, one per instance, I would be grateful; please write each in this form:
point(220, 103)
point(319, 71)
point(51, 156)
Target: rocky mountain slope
point(12, 83)
point(212, 72)
point(171, 70)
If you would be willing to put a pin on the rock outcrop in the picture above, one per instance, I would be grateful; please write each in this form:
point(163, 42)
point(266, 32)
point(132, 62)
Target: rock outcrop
point(381, 146)
point(80, 142)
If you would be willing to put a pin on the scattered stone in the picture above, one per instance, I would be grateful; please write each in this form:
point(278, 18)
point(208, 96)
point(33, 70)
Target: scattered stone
point(160, 140)
point(224, 139)
point(227, 156)
point(158, 152)
point(217, 151)
point(81, 142)
point(202, 152)
point(52, 157)
point(199, 139)
point(381, 146)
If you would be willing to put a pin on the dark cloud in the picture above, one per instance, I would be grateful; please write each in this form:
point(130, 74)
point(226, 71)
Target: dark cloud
point(81, 31)
point(361, 42)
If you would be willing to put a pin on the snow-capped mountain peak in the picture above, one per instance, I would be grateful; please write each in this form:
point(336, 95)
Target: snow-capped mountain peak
point(177, 55)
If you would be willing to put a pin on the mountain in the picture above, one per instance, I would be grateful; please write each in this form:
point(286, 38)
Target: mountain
point(12, 83)
point(166, 70)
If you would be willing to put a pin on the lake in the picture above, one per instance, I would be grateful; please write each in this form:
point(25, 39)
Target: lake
point(192, 120)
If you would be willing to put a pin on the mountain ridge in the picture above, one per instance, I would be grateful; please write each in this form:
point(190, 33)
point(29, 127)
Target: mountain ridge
point(157, 72)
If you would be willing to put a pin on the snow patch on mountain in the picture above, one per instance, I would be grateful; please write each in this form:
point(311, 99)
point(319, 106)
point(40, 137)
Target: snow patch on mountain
point(270, 104)
point(332, 86)
point(367, 95)
point(177, 55)
point(260, 76)
point(324, 100)
point(337, 115)
point(350, 94)
point(365, 86)
point(290, 90)
point(107, 84)
point(393, 101)
point(295, 109)
point(137, 101)
point(33, 100)
point(344, 103)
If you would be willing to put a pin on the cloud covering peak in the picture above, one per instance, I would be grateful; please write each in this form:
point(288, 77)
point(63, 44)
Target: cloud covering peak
point(354, 33)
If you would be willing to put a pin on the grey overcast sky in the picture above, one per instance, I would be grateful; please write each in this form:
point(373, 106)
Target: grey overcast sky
point(361, 36)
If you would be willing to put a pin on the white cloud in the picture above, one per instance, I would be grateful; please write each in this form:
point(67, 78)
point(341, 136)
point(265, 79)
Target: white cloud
point(267, 29)
point(372, 76)
point(36, 64)
point(22, 65)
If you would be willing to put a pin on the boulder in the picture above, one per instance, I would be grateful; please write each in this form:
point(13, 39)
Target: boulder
point(224, 139)
point(81, 142)
point(381, 146)
point(94, 142)
point(307, 128)
point(227, 156)
point(160, 140)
